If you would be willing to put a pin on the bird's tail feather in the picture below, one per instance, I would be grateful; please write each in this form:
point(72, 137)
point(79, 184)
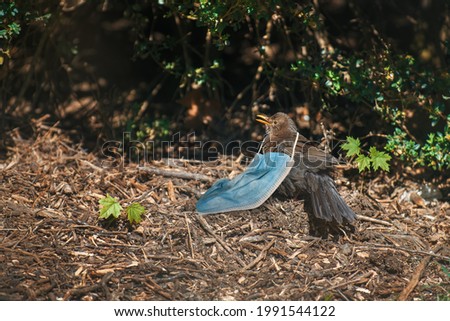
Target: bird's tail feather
point(327, 203)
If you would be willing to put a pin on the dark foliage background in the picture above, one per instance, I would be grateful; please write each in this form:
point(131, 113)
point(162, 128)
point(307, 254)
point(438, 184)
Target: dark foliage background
point(376, 70)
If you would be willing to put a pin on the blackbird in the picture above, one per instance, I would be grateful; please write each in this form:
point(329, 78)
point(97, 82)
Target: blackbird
point(310, 175)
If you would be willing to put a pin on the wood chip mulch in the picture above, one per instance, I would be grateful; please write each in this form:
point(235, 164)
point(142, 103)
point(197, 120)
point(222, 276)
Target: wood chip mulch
point(54, 247)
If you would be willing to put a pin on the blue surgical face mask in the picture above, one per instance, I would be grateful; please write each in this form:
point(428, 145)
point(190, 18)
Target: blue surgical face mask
point(251, 188)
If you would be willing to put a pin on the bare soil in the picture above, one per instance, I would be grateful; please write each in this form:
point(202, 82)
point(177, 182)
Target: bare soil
point(54, 247)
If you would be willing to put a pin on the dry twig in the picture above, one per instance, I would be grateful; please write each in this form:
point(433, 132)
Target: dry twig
point(152, 285)
point(260, 257)
point(90, 288)
point(372, 220)
point(176, 174)
point(208, 229)
point(416, 276)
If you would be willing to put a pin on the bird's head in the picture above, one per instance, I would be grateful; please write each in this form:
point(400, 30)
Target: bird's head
point(278, 126)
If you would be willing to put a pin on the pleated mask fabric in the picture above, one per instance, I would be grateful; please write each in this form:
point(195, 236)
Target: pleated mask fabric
point(249, 189)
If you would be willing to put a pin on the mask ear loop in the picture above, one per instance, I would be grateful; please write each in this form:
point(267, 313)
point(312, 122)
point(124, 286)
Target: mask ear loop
point(295, 145)
point(293, 148)
point(262, 144)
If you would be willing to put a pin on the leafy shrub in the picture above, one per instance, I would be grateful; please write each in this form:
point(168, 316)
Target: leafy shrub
point(390, 86)
point(374, 159)
point(389, 83)
point(13, 16)
point(9, 28)
point(295, 57)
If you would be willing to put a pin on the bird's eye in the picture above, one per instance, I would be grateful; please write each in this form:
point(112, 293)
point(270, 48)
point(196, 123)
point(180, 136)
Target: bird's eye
point(274, 122)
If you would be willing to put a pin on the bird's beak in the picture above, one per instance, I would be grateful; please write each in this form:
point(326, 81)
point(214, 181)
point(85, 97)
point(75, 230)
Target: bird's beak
point(263, 119)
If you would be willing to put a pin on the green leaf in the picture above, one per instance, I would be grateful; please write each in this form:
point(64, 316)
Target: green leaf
point(363, 162)
point(379, 159)
point(15, 28)
point(352, 146)
point(110, 206)
point(135, 212)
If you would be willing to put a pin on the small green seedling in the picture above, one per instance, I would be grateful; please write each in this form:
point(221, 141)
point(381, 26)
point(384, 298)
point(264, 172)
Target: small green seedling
point(110, 206)
point(134, 212)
